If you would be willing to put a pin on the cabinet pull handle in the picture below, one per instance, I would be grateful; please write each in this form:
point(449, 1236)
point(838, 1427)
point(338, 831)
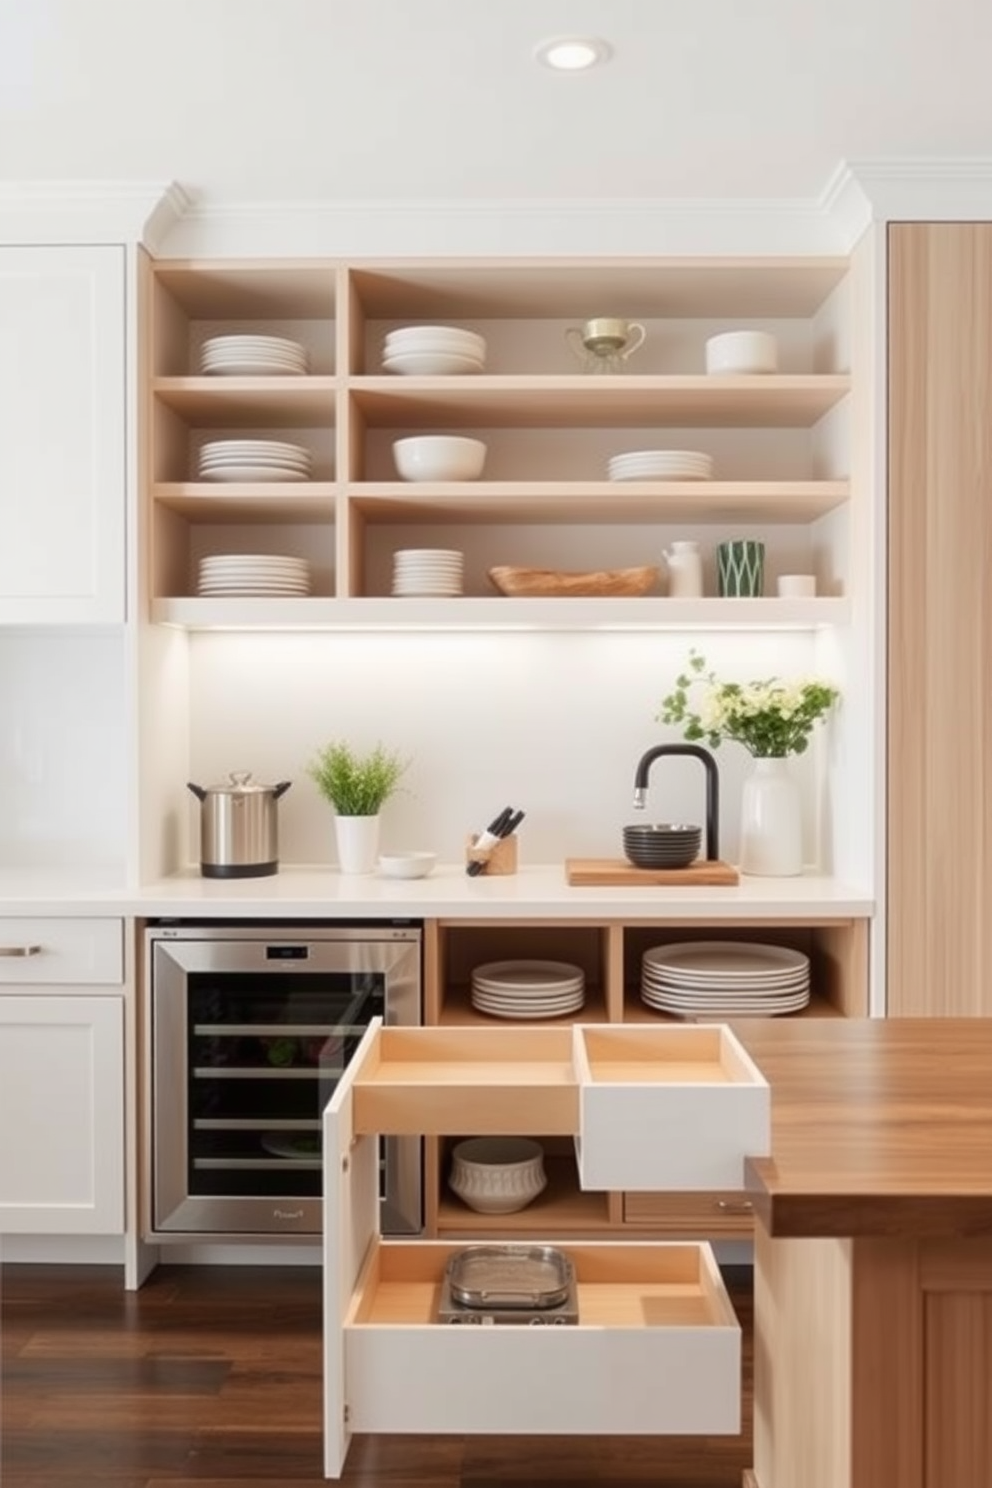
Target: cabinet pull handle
point(735, 1206)
point(21, 950)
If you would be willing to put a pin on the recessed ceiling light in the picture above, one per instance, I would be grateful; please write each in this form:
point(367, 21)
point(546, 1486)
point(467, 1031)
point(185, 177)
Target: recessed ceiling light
point(573, 53)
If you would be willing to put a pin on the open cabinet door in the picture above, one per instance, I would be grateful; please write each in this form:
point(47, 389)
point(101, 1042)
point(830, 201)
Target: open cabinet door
point(351, 1225)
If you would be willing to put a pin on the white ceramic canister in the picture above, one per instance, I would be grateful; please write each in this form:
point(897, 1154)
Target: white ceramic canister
point(685, 570)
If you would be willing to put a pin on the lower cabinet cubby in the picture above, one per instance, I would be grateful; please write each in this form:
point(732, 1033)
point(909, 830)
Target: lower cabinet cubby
point(462, 946)
point(563, 1208)
point(838, 952)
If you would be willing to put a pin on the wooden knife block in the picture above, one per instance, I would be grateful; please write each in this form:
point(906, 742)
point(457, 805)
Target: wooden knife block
point(501, 859)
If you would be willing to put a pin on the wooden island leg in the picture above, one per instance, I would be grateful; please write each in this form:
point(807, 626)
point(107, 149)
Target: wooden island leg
point(838, 1354)
point(872, 1363)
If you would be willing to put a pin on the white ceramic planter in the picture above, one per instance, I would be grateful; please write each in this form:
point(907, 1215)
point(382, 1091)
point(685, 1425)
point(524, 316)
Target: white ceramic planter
point(357, 840)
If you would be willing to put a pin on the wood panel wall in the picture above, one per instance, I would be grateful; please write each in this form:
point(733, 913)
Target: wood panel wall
point(939, 806)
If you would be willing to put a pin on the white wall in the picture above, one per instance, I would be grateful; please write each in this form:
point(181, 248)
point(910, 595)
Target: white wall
point(551, 723)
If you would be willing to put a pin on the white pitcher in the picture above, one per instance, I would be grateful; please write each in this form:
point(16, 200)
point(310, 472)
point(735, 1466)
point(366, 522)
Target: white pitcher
point(685, 570)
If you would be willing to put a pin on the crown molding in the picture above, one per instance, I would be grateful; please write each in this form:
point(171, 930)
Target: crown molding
point(844, 202)
point(924, 189)
point(497, 227)
point(82, 211)
point(171, 221)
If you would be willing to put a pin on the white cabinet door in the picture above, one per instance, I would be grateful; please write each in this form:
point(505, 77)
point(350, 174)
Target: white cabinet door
point(62, 434)
point(61, 1114)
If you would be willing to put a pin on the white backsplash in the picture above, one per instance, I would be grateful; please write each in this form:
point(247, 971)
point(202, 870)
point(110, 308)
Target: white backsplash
point(554, 724)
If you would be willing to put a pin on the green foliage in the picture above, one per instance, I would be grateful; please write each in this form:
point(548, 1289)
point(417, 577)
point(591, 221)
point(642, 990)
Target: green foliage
point(769, 717)
point(356, 784)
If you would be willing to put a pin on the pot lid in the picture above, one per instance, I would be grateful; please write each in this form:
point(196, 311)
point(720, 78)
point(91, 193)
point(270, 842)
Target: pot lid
point(240, 783)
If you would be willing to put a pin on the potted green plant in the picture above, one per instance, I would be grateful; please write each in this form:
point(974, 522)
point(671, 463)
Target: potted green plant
point(357, 784)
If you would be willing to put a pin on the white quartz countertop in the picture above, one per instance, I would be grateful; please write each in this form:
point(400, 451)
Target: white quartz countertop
point(534, 892)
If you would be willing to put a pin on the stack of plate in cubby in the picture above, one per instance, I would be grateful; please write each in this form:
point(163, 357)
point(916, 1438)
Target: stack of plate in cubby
point(253, 460)
point(252, 356)
point(724, 979)
point(228, 575)
point(427, 571)
point(661, 465)
point(427, 351)
point(528, 989)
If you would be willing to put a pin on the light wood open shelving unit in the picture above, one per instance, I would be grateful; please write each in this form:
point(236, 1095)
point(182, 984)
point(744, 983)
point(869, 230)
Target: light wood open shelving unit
point(778, 440)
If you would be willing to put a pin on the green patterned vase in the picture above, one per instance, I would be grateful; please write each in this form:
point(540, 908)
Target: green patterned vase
point(741, 568)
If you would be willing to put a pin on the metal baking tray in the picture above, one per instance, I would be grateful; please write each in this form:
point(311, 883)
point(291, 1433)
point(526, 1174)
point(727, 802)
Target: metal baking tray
point(510, 1276)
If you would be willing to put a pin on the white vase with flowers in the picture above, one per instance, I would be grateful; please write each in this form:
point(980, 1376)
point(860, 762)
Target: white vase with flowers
point(774, 720)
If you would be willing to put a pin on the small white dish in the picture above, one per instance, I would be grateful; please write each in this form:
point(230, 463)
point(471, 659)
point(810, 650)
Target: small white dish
point(407, 864)
point(742, 351)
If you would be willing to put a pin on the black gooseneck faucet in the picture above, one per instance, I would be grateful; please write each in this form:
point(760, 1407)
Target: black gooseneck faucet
point(712, 787)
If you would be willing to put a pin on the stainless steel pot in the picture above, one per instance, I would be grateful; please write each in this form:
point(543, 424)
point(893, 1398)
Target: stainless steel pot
point(239, 829)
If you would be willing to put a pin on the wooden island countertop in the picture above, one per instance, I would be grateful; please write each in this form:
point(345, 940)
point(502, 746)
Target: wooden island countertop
point(873, 1254)
point(879, 1126)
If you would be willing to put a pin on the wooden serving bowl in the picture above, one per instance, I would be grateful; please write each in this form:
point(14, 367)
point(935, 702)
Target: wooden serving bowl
point(558, 583)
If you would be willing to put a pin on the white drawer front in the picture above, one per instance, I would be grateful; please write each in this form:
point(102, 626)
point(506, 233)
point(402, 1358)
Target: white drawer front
point(674, 1380)
point(686, 1137)
point(36, 952)
point(667, 1108)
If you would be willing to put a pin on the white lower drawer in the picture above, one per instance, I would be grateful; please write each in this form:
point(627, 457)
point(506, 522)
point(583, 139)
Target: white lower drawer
point(657, 1350)
point(57, 951)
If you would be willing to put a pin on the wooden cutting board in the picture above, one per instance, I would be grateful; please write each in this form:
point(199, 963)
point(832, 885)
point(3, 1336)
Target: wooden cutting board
point(607, 872)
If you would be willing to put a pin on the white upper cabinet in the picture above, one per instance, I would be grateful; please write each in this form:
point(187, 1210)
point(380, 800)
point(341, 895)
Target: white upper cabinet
point(62, 434)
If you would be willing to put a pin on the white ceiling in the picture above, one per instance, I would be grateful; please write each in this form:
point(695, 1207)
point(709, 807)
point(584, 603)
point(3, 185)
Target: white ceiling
point(247, 100)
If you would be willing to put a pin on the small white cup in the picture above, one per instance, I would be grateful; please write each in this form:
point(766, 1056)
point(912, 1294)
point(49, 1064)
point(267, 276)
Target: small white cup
point(796, 586)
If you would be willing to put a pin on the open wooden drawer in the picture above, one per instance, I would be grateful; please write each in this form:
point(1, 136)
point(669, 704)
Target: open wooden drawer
point(670, 1107)
point(654, 1315)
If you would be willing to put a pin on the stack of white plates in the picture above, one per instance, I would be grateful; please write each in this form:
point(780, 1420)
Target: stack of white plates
point(724, 978)
point(528, 989)
point(253, 460)
point(428, 351)
point(253, 356)
point(661, 465)
point(227, 575)
point(428, 571)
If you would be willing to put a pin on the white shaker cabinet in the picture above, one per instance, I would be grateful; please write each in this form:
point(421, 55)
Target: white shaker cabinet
point(62, 434)
point(61, 1077)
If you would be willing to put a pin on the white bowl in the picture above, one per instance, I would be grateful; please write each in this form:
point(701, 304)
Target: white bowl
point(497, 1175)
point(742, 351)
point(424, 457)
point(407, 864)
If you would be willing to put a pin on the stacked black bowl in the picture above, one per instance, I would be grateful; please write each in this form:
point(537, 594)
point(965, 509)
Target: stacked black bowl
point(662, 845)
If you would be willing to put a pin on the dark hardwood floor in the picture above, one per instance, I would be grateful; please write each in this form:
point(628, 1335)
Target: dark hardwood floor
point(212, 1375)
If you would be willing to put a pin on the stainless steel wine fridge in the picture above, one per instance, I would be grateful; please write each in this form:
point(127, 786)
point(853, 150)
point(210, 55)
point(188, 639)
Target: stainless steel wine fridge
point(249, 1028)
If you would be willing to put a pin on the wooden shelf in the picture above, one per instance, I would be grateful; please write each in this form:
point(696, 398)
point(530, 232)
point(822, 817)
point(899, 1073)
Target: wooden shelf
point(787, 400)
point(610, 502)
point(637, 287)
point(262, 501)
point(500, 614)
point(243, 402)
point(231, 289)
